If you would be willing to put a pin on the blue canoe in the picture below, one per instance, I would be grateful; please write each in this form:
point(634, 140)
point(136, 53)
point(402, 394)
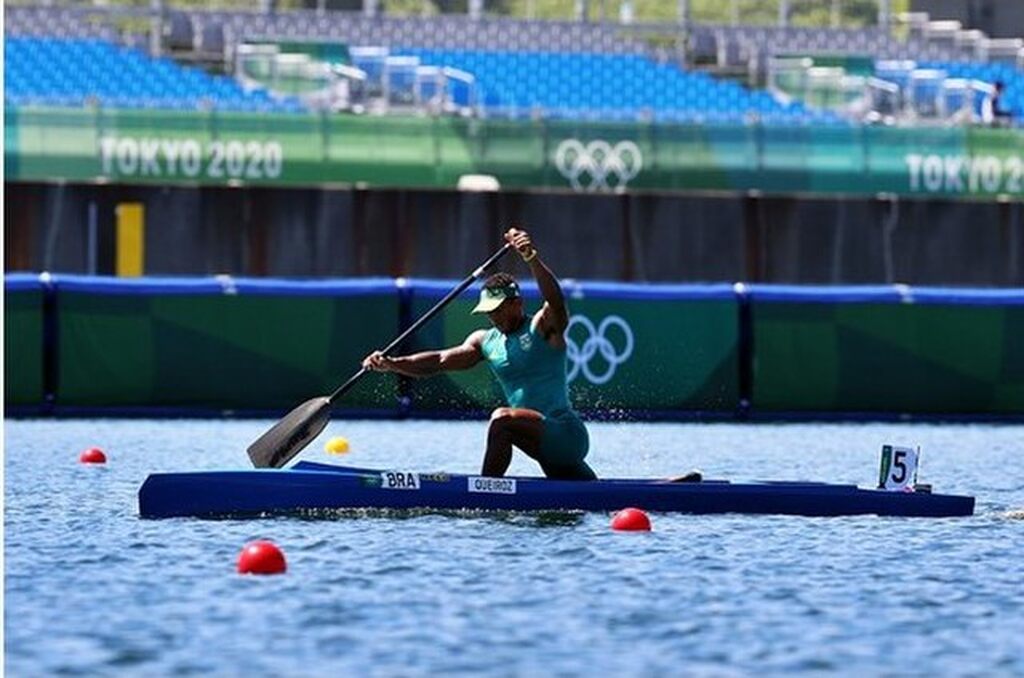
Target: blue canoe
point(310, 487)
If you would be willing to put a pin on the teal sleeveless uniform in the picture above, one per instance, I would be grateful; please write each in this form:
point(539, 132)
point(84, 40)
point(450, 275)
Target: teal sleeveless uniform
point(531, 373)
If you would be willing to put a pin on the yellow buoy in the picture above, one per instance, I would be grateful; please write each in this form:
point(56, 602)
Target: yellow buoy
point(336, 445)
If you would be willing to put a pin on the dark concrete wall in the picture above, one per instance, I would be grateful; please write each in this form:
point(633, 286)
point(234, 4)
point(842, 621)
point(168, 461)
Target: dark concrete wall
point(439, 234)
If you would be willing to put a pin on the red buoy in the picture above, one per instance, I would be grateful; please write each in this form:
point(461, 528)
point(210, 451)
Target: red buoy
point(261, 557)
point(93, 455)
point(632, 519)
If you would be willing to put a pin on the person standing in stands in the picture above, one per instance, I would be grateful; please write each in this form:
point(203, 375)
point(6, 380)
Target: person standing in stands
point(526, 353)
point(992, 111)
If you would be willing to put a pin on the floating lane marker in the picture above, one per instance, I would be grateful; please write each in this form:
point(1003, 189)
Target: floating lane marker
point(92, 455)
point(631, 520)
point(261, 557)
point(337, 445)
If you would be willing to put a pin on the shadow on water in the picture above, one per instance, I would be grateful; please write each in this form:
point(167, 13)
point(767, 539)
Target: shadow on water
point(524, 519)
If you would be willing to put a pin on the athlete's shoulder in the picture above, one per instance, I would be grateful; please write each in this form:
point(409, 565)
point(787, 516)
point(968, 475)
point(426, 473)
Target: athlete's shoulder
point(478, 337)
point(542, 326)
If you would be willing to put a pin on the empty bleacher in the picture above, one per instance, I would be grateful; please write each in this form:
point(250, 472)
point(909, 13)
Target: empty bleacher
point(427, 32)
point(84, 71)
point(741, 45)
point(59, 22)
point(1012, 78)
point(609, 87)
point(923, 39)
point(517, 68)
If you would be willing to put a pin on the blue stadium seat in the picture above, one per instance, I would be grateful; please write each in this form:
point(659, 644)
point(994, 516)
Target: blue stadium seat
point(66, 72)
point(1012, 79)
point(580, 85)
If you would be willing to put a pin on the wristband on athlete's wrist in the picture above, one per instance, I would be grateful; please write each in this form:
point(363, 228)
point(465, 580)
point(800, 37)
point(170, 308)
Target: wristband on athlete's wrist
point(530, 255)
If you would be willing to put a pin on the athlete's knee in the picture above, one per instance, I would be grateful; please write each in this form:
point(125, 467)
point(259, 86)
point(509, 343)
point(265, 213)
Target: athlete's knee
point(501, 424)
point(502, 415)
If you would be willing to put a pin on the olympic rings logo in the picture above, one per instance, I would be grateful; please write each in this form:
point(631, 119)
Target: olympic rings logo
point(597, 342)
point(598, 166)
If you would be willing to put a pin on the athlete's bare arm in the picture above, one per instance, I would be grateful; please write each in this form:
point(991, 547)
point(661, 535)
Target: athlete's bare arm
point(460, 357)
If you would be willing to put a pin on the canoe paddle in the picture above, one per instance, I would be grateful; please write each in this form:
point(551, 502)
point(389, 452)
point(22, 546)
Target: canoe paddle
point(288, 437)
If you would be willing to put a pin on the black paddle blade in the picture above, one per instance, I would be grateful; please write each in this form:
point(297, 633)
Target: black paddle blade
point(276, 447)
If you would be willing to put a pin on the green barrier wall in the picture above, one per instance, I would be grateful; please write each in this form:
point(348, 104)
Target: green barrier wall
point(874, 357)
point(23, 346)
point(394, 151)
point(200, 345)
point(218, 351)
point(684, 355)
point(658, 351)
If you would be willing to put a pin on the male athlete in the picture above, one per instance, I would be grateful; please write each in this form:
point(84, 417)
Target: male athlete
point(527, 355)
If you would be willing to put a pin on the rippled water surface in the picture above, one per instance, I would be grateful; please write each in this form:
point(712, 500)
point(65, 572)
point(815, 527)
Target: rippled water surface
point(93, 590)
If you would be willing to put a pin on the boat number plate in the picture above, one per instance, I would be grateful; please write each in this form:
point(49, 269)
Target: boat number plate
point(898, 468)
point(399, 480)
point(492, 485)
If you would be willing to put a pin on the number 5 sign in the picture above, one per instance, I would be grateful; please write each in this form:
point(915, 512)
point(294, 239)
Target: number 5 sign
point(899, 468)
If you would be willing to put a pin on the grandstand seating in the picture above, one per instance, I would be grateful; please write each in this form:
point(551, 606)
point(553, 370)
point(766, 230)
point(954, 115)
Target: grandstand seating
point(76, 72)
point(427, 32)
point(757, 43)
point(351, 27)
point(455, 31)
point(610, 86)
point(56, 22)
point(1012, 78)
point(519, 68)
